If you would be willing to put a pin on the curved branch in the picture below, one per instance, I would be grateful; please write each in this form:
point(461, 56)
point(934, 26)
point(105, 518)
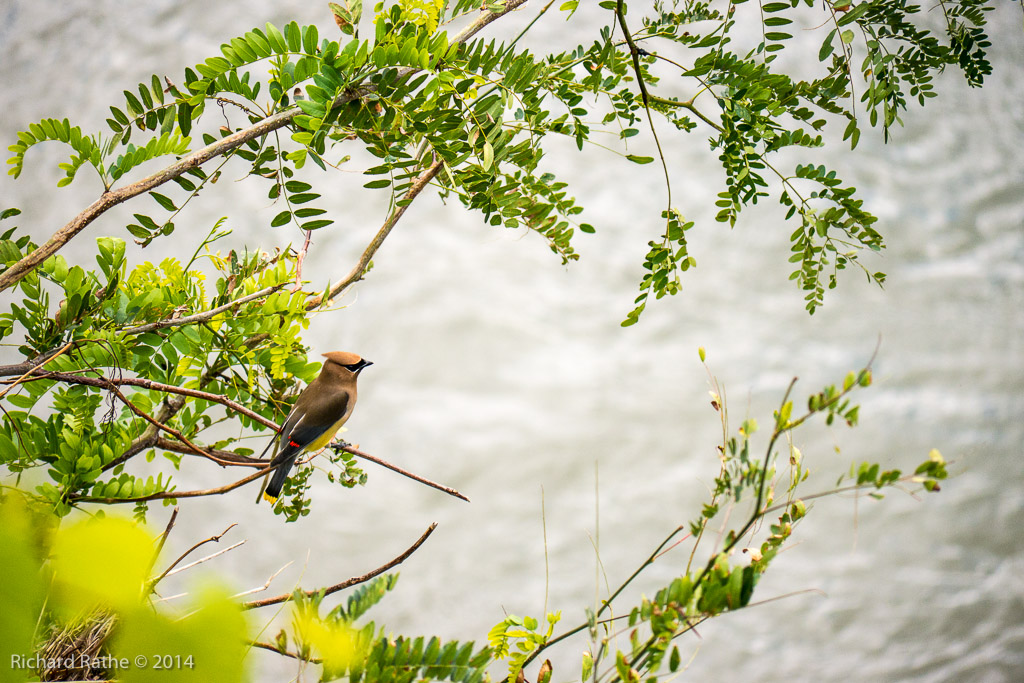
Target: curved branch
point(112, 198)
point(348, 583)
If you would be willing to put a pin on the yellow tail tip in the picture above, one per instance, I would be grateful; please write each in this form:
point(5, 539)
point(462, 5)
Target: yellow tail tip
point(269, 498)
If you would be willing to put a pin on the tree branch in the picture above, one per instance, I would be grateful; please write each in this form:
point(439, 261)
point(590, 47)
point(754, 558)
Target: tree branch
point(163, 495)
point(203, 316)
point(107, 200)
point(355, 580)
point(109, 383)
point(405, 473)
point(356, 274)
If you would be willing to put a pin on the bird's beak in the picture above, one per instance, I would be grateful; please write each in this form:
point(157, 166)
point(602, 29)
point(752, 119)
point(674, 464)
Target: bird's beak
point(364, 364)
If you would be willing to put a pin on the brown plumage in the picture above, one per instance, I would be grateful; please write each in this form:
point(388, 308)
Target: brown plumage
point(319, 412)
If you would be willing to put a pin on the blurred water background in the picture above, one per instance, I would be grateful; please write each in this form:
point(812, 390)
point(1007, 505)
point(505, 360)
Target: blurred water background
point(504, 374)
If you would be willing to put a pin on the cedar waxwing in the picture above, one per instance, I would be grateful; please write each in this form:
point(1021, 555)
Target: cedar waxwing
point(320, 411)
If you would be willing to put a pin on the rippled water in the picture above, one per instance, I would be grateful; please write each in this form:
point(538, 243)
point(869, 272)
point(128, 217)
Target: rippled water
point(504, 374)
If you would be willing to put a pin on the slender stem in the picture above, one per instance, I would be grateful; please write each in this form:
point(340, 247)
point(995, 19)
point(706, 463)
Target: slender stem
point(203, 316)
point(357, 271)
point(405, 473)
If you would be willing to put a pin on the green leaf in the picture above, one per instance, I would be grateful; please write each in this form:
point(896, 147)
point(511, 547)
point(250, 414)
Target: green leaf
point(163, 201)
point(280, 219)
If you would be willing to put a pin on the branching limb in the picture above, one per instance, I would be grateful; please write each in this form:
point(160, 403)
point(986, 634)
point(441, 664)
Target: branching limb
point(112, 198)
point(355, 580)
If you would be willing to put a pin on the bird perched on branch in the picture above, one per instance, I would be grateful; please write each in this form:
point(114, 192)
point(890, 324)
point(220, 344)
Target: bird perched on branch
point(320, 411)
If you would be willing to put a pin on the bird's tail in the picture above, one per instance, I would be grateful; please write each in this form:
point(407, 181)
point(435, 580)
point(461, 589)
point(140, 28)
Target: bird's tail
point(277, 480)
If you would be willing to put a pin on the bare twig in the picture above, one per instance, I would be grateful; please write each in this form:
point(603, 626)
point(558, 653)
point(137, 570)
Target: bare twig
point(265, 586)
point(203, 559)
point(211, 539)
point(405, 473)
point(286, 653)
point(355, 580)
point(163, 538)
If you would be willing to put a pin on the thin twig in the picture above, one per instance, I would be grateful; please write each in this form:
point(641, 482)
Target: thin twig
point(357, 271)
point(211, 539)
point(163, 538)
point(405, 473)
point(286, 653)
point(265, 586)
point(355, 580)
point(204, 559)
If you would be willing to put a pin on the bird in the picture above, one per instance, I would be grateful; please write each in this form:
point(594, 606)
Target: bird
point(319, 412)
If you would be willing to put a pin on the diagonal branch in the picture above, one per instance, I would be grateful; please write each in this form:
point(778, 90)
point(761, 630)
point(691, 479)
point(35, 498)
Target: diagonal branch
point(211, 539)
point(204, 315)
point(107, 200)
point(405, 473)
point(355, 580)
point(356, 274)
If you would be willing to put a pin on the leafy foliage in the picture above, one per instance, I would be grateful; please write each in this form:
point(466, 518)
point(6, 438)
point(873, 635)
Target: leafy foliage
point(724, 582)
point(126, 359)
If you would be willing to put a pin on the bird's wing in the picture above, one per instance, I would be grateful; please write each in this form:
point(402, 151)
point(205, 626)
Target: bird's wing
point(296, 437)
